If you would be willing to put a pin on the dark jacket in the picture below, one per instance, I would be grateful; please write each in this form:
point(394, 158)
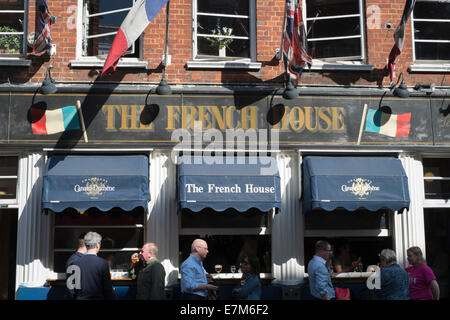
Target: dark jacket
point(394, 282)
point(69, 294)
point(96, 281)
point(150, 282)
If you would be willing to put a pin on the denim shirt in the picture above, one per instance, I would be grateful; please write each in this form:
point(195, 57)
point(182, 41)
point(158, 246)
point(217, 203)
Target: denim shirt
point(251, 289)
point(319, 278)
point(192, 275)
point(394, 283)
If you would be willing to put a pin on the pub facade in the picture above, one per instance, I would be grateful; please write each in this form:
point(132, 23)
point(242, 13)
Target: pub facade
point(226, 156)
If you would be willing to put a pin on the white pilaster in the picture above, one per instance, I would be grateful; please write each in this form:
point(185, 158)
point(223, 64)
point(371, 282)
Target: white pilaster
point(33, 229)
point(287, 229)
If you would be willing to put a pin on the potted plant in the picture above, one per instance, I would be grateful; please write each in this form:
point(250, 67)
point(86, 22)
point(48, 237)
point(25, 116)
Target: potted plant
point(221, 43)
point(9, 43)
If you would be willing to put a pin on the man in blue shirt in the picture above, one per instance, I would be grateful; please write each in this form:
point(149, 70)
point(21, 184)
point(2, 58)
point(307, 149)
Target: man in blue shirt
point(320, 284)
point(194, 285)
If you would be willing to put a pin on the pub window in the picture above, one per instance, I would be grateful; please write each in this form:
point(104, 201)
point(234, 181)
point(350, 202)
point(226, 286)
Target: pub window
point(101, 21)
point(224, 29)
point(366, 233)
point(436, 175)
point(8, 179)
point(13, 21)
point(122, 234)
point(431, 22)
point(335, 29)
point(229, 234)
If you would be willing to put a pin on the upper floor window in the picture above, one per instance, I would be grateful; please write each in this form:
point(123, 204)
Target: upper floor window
point(431, 25)
point(335, 29)
point(101, 19)
point(224, 29)
point(13, 19)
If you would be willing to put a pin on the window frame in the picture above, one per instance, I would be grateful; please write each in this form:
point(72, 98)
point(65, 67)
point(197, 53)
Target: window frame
point(351, 63)
point(438, 202)
point(18, 60)
point(12, 203)
point(414, 40)
point(214, 62)
point(202, 232)
point(95, 61)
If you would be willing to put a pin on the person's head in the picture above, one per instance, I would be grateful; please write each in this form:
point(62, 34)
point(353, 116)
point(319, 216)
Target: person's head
point(199, 248)
point(250, 264)
point(343, 248)
point(92, 240)
point(415, 256)
point(81, 246)
point(323, 249)
point(148, 251)
point(387, 257)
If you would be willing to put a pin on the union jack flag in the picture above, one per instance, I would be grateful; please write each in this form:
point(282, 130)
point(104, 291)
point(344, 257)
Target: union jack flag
point(42, 37)
point(295, 53)
point(399, 37)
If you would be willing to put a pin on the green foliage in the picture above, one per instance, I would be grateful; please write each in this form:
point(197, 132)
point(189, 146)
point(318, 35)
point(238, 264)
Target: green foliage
point(9, 42)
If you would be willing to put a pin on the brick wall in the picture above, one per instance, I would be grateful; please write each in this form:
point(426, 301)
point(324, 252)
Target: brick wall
point(379, 13)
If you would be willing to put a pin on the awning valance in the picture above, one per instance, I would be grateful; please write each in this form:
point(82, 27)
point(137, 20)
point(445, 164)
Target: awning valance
point(239, 182)
point(104, 182)
point(354, 182)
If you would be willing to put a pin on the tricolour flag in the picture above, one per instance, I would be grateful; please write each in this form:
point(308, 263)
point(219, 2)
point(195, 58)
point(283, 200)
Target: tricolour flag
point(392, 125)
point(399, 37)
point(53, 121)
point(42, 37)
point(295, 53)
point(140, 15)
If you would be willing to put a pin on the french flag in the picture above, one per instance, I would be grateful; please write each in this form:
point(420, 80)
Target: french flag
point(46, 122)
point(392, 125)
point(140, 15)
point(399, 37)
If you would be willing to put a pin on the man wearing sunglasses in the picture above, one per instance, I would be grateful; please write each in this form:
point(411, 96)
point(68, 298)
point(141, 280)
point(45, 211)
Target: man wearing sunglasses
point(320, 284)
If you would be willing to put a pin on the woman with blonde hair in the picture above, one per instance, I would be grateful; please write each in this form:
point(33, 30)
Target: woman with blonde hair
point(422, 281)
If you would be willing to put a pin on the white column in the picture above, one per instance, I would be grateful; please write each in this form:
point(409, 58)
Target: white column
point(287, 234)
point(409, 227)
point(34, 228)
point(162, 220)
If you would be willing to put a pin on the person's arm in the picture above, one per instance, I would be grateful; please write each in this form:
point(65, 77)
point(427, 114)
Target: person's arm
point(247, 288)
point(435, 289)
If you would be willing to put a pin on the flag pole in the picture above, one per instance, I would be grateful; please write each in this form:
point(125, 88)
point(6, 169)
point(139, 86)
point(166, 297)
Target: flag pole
point(83, 127)
point(362, 123)
point(280, 52)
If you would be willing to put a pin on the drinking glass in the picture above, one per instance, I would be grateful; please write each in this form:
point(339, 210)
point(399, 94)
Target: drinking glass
point(135, 258)
point(218, 268)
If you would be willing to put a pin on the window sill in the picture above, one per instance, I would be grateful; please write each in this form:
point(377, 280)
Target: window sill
point(14, 62)
point(201, 64)
point(428, 67)
point(341, 65)
point(98, 63)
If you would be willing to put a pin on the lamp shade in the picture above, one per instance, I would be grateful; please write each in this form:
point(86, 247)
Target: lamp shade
point(48, 86)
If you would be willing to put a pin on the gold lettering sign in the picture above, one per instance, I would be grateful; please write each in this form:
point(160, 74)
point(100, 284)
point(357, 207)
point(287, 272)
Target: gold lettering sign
point(295, 118)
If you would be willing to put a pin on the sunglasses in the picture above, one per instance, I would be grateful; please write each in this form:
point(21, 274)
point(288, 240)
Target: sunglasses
point(245, 263)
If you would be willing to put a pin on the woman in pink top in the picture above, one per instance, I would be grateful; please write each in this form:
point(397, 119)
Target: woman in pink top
point(422, 281)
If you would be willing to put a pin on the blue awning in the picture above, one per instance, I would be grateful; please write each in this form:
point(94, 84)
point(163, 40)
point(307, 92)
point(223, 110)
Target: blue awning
point(104, 182)
point(354, 182)
point(242, 183)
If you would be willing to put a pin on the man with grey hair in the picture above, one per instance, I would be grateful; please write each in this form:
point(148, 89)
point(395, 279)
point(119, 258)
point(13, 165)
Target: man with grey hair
point(394, 281)
point(320, 285)
point(96, 281)
point(150, 282)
